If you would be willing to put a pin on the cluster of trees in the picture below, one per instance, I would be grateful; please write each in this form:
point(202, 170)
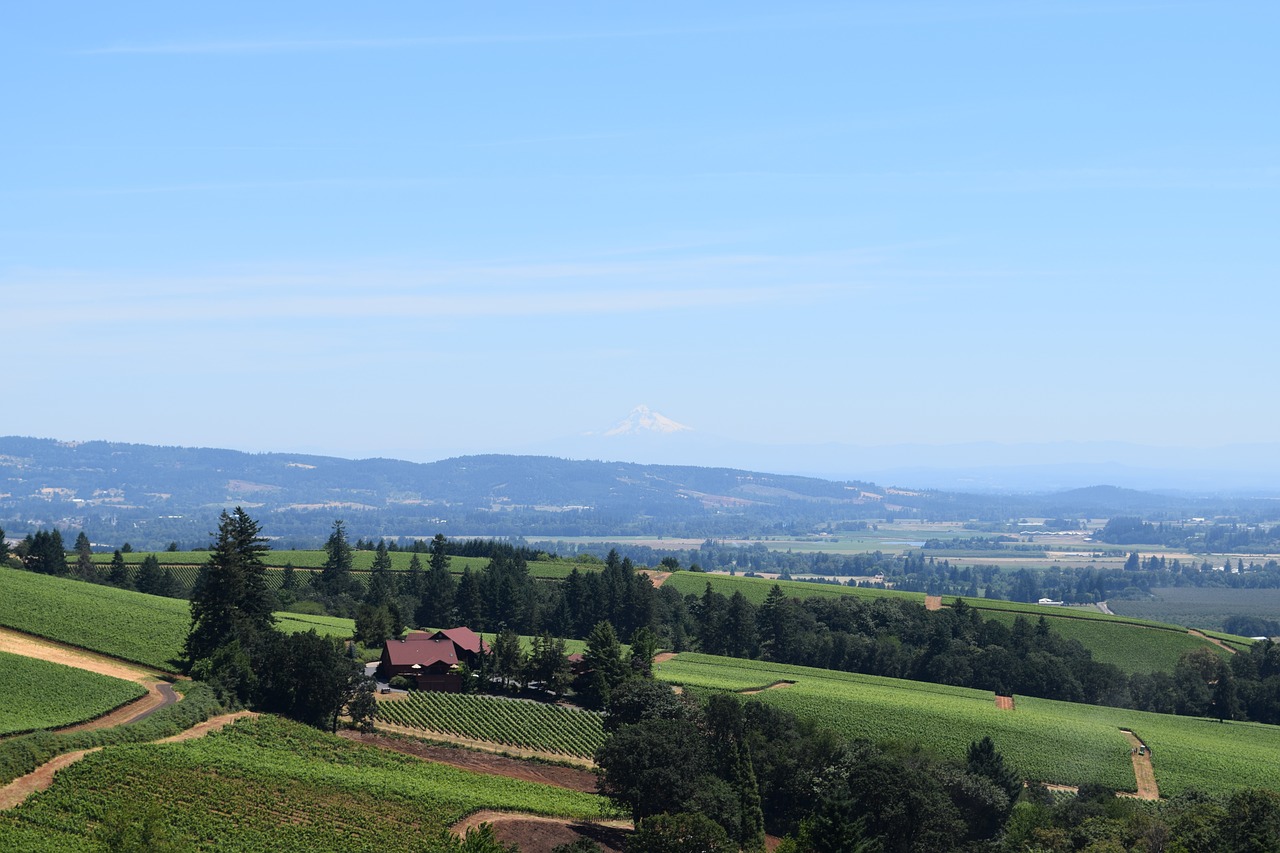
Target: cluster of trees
point(233, 644)
point(727, 771)
point(1214, 538)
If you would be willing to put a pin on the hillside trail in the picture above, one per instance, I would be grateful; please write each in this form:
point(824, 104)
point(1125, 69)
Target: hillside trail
point(777, 685)
point(658, 578)
point(1143, 771)
point(1193, 632)
point(17, 791)
point(159, 693)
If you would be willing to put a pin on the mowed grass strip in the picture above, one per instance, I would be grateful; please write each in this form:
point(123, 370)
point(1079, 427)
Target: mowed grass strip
point(1058, 742)
point(269, 784)
point(43, 695)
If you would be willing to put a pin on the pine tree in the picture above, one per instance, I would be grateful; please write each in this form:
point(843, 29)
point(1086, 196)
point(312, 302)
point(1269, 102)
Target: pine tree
point(335, 577)
point(148, 579)
point(84, 557)
point(118, 574)
point(230, 602)
point(381, 584)
point(439, 589)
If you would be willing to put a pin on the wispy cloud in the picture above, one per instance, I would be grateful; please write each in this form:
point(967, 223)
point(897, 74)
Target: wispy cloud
point(548, 289)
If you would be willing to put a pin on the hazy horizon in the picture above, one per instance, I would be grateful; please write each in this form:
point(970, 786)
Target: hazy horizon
point(419, 231)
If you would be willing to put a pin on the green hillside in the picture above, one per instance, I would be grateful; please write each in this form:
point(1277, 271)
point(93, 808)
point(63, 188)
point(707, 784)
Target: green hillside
point(1058, 742)
point(146, 629)
point(1134, 645)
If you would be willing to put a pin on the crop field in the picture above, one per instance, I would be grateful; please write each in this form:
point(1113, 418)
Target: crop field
point(1202, 607)
point(43, 695)
point(325, 626)
point(528, 725)
point(147, 629)
point(1058, 742)
point(1131, 647)
point(269, 784)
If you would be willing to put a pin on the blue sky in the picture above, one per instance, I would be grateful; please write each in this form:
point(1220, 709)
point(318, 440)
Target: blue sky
point(421, 229)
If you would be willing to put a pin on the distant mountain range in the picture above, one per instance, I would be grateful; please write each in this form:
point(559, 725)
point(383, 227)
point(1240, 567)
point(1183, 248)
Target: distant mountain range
point(649, 437)
point(151, 495)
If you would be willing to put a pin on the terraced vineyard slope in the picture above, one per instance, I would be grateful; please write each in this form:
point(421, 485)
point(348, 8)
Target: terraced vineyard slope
point(43, 695)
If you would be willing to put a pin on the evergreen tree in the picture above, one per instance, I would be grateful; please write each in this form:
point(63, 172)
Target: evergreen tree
point(468, 601)
point(335, 576)
point(381, 584)
point(84, 558)
point(4, 548)
point(605, 667)
point(118, 574)
point(229, 602)
point(436, 604)
point(148, 579)
point(45, 553)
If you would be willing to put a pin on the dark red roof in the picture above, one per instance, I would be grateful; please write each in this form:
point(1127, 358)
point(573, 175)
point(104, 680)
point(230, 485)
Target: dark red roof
point(426, 649)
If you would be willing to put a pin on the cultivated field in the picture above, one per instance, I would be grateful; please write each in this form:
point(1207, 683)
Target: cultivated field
point(1202, 607)
point(268, 784)
point(528, 725)
point(42, 695)
point(1056, 742)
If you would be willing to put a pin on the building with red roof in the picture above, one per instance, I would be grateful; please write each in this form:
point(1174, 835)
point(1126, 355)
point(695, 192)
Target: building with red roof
point(432, 660)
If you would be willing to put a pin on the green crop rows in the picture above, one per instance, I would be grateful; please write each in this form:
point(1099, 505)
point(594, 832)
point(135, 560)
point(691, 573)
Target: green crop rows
point(1050, 741)
point(147, 629)
point(528, 725)
point(43, 695)
point(271, 785)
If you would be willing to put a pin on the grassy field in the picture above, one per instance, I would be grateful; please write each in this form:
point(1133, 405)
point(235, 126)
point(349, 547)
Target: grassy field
point(42, 695)
point(270, 785)
point(146, 629)
point(1058, 742)
point(528, 725)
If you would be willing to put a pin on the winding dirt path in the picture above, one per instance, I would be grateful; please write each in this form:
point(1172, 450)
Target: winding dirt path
point(41, 778)
point(1193, 632)
point(1142, 768)
point(159, 693)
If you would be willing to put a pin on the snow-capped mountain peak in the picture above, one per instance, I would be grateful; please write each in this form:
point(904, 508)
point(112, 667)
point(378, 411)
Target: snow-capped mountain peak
point(643, 421)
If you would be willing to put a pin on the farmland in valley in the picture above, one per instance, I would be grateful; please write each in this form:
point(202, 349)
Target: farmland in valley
point(1050, 741)
point(1202, 607)
point(528, 725)
point(269, 784)
point(43, 695)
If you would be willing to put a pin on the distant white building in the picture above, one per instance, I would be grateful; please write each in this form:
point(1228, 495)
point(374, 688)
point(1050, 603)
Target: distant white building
point(1049, 602)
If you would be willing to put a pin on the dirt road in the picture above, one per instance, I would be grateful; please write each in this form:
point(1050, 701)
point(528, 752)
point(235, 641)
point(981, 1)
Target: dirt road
point(1143, 770)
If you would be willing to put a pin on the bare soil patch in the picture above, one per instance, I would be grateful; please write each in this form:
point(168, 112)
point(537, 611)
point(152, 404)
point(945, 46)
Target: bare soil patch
point(777, 685)
point(933, 602)
point(1004, 703)
point(17, 643)
point(540, 834)
point(1193, 632)
point(1143, 771)
point(658, 578)
point(482, 762)
point(664, 657)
